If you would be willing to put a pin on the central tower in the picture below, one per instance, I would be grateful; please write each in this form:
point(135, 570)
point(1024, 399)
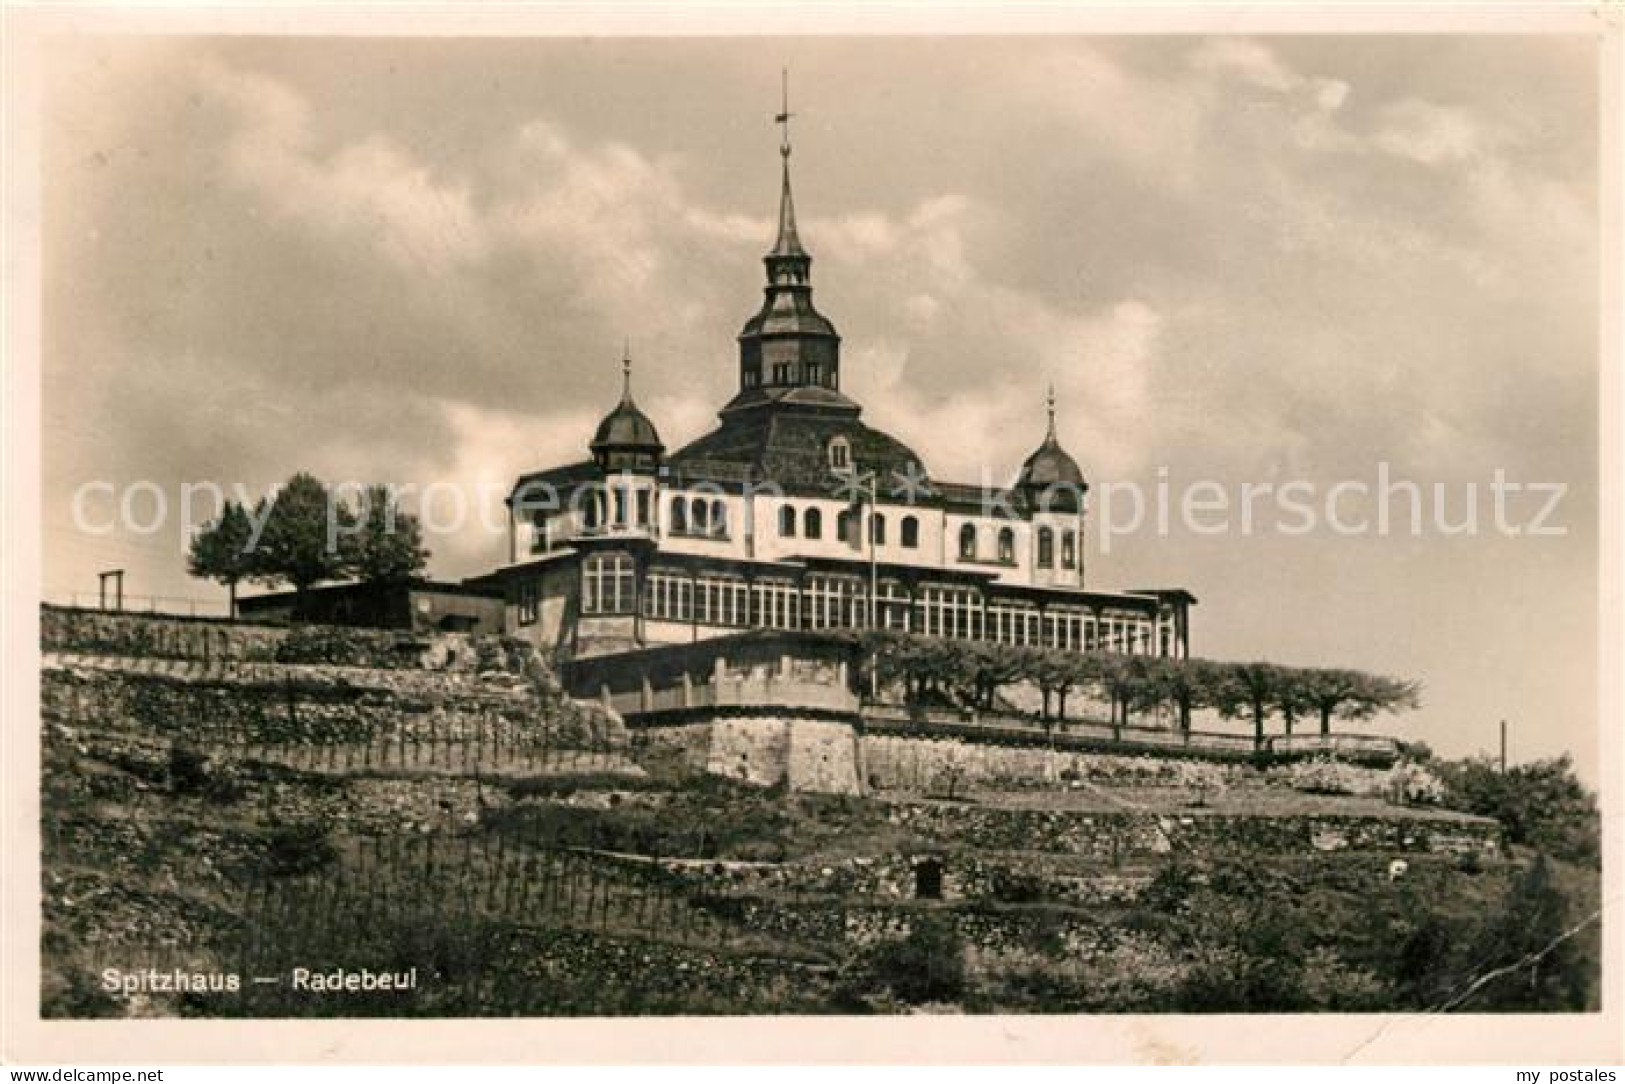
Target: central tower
point(788, 344)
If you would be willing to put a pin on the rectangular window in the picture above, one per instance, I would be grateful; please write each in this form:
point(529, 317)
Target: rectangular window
point(894, 605)
point(608, 584)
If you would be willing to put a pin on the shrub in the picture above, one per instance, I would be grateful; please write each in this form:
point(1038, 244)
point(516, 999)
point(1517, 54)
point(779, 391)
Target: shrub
point(319, 644)
point(193, 773)
point(1541, 805)
point(1171, 889)
point(1013, 887)
point(1410, 783)
point(928, 965)
point(1255, 965)
point(1324, 775)
point(1328, 983)
point(187, 770)
point(293, 849)
point(1526, 957)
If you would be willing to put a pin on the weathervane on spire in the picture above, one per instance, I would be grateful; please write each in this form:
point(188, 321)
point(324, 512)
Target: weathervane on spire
point(784, 114)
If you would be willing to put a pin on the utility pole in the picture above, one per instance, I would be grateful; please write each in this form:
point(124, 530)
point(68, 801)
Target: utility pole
point(1503, 746)
point(872, 479)
point(864, 486)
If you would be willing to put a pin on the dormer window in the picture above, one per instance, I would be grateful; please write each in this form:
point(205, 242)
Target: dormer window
point(840, 454)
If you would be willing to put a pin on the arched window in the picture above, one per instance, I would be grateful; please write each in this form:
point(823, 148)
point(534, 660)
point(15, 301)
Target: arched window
point(1069, 550)
point(911, 532)
point(843, 527)
point(1007, 545)
point(719, 519)
point(679, 516)
point(619, 493)
point(812, 523)
point(967, 542)
point(590, 514)
point(699, 516)
point(1046, 548)
point(877, 529)
point(643, 508)
point(787, 522)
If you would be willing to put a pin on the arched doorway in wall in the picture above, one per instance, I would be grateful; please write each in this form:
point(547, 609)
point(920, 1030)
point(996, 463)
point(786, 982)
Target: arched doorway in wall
point(928, 879)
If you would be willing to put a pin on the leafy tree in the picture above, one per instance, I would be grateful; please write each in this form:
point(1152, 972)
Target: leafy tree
point(937, 667)
point(1527, 957)
point(1122, 679)
point(886, 651)
point(1249, 959)
point(1385, 694)
point(1351, 694)
point(224, 550)
point(1423, 964)
point(1542, 804)
point(388, 544)
point(1249, 687)
point(921, 665)
point(1291, 696)
point(301, 543)
point(1056, 673)
point(1183, 684)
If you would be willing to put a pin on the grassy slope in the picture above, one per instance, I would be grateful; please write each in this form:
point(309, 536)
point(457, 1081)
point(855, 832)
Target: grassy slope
point(138, 870)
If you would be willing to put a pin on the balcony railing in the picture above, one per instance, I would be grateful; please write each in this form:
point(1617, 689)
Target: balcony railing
point(617, 530)
point(1094, 733)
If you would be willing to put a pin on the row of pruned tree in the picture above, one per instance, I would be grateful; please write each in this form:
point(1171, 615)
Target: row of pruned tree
point(974, 672)
point(306, 533)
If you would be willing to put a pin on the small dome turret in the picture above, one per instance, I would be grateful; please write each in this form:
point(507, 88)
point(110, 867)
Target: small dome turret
point(1050, 478)
point(626, 439)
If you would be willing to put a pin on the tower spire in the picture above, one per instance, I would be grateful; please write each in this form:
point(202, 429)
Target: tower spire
point(788, 243)
point(788, 347)
point(783, 118)
point(1050, 404)
point(626, 372)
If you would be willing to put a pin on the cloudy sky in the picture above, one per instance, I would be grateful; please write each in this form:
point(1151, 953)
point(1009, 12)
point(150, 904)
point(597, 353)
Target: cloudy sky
point(1238, 259)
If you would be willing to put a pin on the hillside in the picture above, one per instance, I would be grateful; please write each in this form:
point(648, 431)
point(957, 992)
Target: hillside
point(229, 800)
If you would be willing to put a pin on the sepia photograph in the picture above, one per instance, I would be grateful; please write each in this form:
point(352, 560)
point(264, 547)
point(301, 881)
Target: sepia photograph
point(1073, 525)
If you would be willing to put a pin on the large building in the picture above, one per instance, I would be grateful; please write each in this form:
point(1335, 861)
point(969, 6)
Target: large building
point(792, 514)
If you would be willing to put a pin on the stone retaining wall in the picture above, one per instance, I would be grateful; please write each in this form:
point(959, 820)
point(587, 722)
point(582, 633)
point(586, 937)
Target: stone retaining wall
point(1114, 836)
point(164, 636)
point(266, 705)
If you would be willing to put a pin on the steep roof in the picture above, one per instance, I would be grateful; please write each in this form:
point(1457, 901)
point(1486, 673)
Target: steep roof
point(791, 447)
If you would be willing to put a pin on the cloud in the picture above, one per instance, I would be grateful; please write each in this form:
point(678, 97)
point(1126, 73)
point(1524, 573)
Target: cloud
point(1246, 59)
point(1252, 62)
point(1429, 133)
point(370, 193)
point(964, 326)
point(1239, 257)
